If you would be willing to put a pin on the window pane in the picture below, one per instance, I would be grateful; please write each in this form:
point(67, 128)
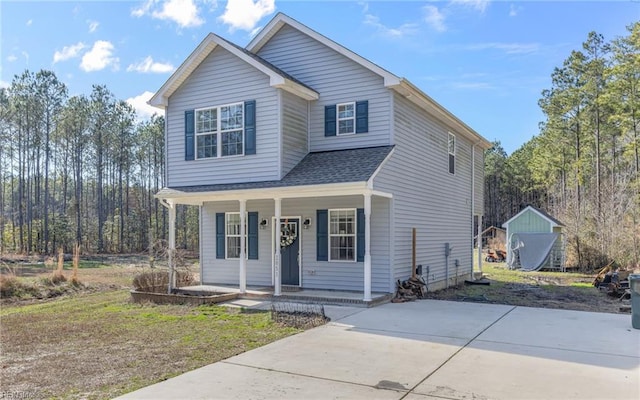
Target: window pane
point(206, 120)
point(232, 143)
point(342, 248)
point(231, 117)
point(233, 224)
point(346, 126)
point(345, 111)
point(207, 145)
point(233, 247)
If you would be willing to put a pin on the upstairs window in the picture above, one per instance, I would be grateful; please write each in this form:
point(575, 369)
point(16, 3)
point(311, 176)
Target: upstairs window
point(452, 153)
point(346, 118)
point(220, 131)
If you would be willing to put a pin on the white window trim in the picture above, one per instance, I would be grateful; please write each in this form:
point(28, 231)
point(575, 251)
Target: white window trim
point(226, 236)
point(355, 235)
point(218, 132)
point(338, 119)
point(451, 137)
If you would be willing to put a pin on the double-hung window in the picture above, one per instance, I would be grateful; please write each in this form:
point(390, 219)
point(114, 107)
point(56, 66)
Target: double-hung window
point(342, 235)
point(232, 235)
point(220, 131)
point(346, 118)
point(452, 153)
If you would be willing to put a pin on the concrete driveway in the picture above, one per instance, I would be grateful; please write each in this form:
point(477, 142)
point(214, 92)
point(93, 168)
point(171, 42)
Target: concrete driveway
point(431, 350)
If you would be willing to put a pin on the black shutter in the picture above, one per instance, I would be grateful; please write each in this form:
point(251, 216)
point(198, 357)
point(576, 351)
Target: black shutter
point(362, 116)
point(360, 234)
point(220, 247)
point(252, 235)
point(189, 136)
point(330, 120)
point(250, 127)
point(452, 163)
point(322, 235)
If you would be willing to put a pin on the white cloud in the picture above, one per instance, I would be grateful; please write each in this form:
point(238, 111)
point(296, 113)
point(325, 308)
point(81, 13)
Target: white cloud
point(29, 22)
point(434, 18)
point(11, 58)
point(4, 84)
point(184, 12)
point(245, 14)
point(514, 10)
point(399, 32)
point(509, 48)
point(93, 25)
point(68, 52)
point(143, 110)
point(99, 57)
point(478, 5)
point(148, 65)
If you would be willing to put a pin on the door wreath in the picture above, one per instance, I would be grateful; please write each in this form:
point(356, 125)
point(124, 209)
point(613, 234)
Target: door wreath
point(287, 237)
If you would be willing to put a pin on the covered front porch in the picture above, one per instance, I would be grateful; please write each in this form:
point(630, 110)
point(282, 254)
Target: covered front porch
point(323, 226)
point(252, 295)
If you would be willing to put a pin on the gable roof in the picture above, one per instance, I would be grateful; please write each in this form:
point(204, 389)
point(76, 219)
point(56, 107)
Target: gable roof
point(554, 222)
point(319, 168)
point(391, 81)
point(277, 77)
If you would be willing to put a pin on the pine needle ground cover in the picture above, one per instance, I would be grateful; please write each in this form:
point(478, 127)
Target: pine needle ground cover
point(100, 345)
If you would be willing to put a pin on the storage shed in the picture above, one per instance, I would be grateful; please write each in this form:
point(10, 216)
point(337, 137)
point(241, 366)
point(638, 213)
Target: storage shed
point(535, 241)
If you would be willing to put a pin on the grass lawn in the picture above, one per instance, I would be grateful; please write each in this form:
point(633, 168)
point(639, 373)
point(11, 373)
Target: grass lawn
point(100, 345)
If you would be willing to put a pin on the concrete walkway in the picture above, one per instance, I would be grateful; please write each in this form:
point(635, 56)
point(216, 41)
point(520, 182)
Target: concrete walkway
point(431, 350)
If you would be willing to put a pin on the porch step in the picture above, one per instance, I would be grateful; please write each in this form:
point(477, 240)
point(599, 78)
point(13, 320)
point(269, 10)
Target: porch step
point(333, 301)
point(290, 288)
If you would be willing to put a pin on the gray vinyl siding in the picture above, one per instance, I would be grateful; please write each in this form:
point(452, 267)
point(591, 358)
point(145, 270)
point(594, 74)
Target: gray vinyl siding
point(338, 80)
point(295, 126)
point(314, 274)
point(222, 78)
point(426, 196)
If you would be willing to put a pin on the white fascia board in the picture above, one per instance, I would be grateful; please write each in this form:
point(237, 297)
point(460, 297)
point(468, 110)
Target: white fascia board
point(281, 19)
point(424, 101)
point(296, 89)
point(292, 192)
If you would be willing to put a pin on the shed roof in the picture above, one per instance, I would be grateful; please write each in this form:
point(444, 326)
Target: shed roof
point(543, 214)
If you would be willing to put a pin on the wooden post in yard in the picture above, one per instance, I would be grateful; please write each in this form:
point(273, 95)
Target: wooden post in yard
point(413, 254)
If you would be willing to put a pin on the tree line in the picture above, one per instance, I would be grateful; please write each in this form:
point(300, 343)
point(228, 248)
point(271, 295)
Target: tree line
point(584, 165)
point(80, 169)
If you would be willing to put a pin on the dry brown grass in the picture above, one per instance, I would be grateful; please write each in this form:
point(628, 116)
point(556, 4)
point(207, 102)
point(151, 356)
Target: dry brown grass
point(96, 344)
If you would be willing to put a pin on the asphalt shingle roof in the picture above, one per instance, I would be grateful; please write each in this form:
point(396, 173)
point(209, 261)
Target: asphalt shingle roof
point(325, 167)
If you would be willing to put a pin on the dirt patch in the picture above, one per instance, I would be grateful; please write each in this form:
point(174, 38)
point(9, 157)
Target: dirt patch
point(568, 291)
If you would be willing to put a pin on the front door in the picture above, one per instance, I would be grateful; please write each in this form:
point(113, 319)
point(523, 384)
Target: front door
point(290, 250)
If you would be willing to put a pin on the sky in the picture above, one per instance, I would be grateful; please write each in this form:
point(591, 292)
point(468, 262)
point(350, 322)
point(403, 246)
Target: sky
point(487, 62)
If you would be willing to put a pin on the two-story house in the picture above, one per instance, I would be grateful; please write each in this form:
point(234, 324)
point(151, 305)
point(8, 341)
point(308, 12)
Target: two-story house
point(312, 165)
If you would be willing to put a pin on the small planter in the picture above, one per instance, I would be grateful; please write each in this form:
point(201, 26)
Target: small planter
point(165, 298)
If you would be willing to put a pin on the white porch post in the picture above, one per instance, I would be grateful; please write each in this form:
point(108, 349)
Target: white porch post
point(172, 245)
point(479, 245)
point(277, 285)
point(367, 247)
point(243, 246)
